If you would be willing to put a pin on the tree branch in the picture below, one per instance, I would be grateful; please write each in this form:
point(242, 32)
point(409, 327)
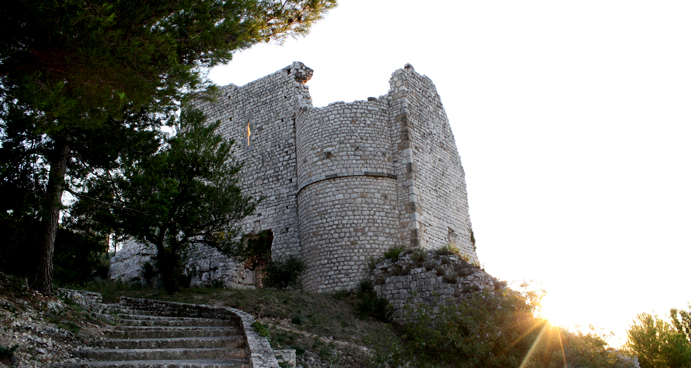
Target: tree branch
point(105, 203)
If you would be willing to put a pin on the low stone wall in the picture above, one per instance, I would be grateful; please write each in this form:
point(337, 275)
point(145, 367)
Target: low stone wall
point(433, 278)
point(81, 297)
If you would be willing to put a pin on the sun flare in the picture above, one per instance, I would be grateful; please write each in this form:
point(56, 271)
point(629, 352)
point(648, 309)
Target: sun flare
point(558, 314)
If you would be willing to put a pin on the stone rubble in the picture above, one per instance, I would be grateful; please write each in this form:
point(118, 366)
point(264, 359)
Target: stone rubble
point(421, 276)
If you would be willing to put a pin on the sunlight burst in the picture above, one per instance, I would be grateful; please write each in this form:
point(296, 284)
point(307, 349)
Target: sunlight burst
point(558, 314)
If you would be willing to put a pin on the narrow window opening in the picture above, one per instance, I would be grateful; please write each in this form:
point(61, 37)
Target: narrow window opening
point(249, 133)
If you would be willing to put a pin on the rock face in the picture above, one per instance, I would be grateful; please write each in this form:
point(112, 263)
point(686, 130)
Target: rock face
point(422, 276)
point(205, 266)
point(345, 182)
point(127, 265)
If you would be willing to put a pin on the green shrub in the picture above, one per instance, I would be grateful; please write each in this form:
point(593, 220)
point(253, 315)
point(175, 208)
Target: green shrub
point(77, 257)
point(261, 329)
point(393, 253)
point(284, 273)
point(370, 305)
point(419, 256)
point(6, 353)
point(447, 250)
point(296, 319)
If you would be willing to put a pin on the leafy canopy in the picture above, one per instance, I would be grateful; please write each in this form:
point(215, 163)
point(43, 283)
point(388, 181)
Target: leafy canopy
point(82, 61)
point(659, 344)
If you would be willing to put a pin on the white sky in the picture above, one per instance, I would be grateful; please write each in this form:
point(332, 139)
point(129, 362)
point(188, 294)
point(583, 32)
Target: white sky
point(573, 121)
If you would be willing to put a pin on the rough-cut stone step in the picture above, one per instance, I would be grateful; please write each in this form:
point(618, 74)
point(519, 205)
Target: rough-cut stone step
point(162, 354)
point(162, 321)
point(139, 332)
point(177, 342)
point(117, 309)
point(225, 363)
point(150, 317)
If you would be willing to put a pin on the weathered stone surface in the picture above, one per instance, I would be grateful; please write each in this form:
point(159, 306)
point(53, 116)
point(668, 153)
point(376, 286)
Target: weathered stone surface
point(205, 266)
point(422, 276)
point(128, 263)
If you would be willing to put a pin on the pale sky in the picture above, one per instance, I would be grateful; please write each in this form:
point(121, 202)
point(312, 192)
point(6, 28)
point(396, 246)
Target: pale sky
point(573, 122)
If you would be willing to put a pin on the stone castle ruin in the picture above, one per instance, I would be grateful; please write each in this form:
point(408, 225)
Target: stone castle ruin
point(342, 183)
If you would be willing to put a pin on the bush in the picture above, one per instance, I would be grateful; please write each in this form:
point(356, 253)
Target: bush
point(393, 253)
point(261, 329)
point(447, 250)
point(370, 305)
point(286, 273)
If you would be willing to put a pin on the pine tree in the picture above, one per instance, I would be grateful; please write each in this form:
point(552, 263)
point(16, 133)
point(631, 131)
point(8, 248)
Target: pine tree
point(186, 193)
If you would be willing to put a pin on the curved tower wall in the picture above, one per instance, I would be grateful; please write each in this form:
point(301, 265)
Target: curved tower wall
point(346, 191)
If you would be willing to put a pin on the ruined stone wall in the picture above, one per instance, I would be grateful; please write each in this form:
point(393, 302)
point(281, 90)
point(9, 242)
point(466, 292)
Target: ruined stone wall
point(432, 180)
point(268, 108)
point(421, 276)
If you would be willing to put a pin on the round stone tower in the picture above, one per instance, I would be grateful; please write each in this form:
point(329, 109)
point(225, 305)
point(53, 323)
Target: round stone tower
point(346, 191)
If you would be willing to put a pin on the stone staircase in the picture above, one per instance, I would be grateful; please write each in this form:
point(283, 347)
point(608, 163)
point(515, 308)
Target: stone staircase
point(155, 334)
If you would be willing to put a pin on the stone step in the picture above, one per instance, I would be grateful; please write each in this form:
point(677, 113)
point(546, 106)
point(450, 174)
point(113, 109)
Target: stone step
point(150, 317)
point(162, 354)
point(145, 332)
point(176, 342)
point(117, 308)
point(202, 363)
point(128, 320)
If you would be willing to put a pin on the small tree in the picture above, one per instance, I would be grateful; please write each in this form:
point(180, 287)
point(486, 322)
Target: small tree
point(681, 320)
point(657, 344)
point(186, 193)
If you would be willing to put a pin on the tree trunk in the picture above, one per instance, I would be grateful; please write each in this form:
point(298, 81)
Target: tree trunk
point(43, 282)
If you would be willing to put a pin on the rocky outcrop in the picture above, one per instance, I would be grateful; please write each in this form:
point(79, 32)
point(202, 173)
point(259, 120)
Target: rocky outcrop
point(128, 264)
point(418, 276)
